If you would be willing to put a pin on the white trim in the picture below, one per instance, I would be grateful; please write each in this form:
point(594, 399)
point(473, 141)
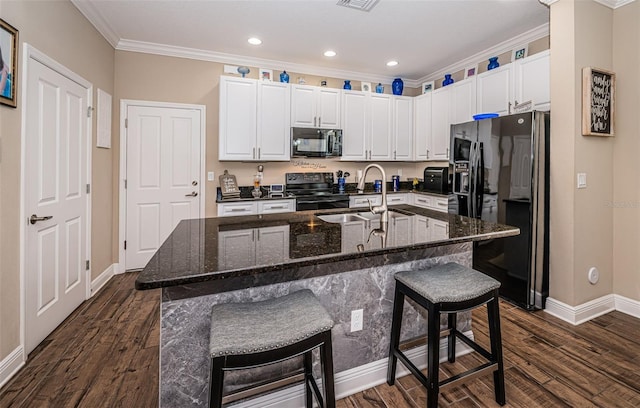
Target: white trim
point(628, 306)
point(90, 11)
point(124, 106)
point(505, 46)
point(102, 279)
point(10, 365)
point(354, 380)
point(32, 53)
point(579, 314)
point(614, 4)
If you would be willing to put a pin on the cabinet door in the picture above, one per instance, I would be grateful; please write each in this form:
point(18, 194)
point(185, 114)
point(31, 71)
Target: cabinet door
point(354, 125)
point(438, 148)
point(238, 128)
point(463, 101)
point(422, 125)
point(400, 231)
point(303, 106)
point(532, 81)
point(236, 249)
point(493, 93)
point(403, 128)
point(420, 229)
point(274, 137)
point(438, 230)
point(381, 127)
point(272, 245)
point(353, 234)
point(328, 108)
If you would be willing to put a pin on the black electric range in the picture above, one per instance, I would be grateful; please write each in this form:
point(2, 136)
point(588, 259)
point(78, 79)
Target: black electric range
point(314, 191)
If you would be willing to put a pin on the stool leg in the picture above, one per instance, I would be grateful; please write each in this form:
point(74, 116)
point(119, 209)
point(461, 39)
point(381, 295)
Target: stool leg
point(451, 341)
point(217, 381)
point(308, 376)
point(326, 359)
point(433, 357)
point(493, 311)
point(396, 323)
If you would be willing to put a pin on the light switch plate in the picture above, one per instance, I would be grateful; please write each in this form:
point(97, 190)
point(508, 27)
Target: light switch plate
point(210, 176)
point(582, 180)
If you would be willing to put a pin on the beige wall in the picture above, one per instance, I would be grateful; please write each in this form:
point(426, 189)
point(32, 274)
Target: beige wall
point(581, 231)
point(59, 30)
point(626, 147)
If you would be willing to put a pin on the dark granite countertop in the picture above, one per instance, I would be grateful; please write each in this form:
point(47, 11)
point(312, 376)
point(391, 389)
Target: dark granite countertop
point(246, 194)
point(225, 248)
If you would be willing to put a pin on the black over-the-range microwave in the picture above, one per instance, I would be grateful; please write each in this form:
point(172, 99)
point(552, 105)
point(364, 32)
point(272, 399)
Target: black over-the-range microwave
point(310, 142)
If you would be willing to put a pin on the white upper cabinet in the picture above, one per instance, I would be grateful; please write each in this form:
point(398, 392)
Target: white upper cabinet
point(354, 125)
point(527, 79)
point(422, 126)
point(494, 90)
point(315, 107)
point(463, 101)
point(403, 128)
point(438, 148)
point(238, 121)
point(381, 127)
point(531, 80)
point(254, 120)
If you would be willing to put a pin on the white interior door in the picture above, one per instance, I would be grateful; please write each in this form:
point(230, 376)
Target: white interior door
point(55, 199)
point(162, 176)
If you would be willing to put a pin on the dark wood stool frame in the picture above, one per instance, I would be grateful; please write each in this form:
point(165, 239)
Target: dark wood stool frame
point(431, 382)
point(220, 364)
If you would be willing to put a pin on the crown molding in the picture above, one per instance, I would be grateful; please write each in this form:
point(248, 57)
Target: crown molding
point(233, 59)
point(548, 2)
point(505, 46)
point(92, 14)
point(614, 4)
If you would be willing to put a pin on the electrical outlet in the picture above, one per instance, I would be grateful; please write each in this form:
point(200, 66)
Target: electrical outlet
point(210, 176)
point(593, 276)
point(356, 320)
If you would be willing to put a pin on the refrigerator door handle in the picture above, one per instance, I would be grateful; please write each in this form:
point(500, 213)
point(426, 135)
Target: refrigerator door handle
point(472, 181)
point(480, 179)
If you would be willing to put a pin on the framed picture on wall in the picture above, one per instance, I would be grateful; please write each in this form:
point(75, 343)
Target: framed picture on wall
point(428, 86)
point(470, 71)
point(266, 74)
point(519, 53)
point(8, 63)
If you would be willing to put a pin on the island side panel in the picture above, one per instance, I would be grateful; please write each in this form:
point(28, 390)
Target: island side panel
point(184, 349)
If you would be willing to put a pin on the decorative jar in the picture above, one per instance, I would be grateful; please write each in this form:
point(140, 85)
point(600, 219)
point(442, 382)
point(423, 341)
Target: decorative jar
point(284, 77)
point(493, 63)
point(347, 84)
point(447, 80)
point(397, 86)
point(379, 88)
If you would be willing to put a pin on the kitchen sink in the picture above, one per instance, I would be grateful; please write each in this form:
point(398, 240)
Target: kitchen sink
point(341, 218)
point(374, 217)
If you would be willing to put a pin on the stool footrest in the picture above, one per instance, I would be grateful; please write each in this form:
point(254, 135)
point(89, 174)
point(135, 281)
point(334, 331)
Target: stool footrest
point(475, 346)
point(259, 389)
point(414, 370)
point(468, 375)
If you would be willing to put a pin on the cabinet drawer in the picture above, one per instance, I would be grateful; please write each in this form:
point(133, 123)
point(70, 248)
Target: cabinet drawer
point(278, 206)
point(235, 209)
point(396, 199)
point(363, 201)
point(440, 204)
point(422, 201)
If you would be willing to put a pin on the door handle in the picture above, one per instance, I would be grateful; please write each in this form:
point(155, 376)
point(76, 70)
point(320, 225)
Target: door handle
point(34, 218)
point(193, 194)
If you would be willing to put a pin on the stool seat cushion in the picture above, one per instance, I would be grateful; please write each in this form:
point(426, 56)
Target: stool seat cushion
point(446, 283)
point(246, 328)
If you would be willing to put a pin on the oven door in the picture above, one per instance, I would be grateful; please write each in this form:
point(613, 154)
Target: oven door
point(321, 203)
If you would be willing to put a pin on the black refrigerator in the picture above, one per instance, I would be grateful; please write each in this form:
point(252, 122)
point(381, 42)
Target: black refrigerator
point(500, 169)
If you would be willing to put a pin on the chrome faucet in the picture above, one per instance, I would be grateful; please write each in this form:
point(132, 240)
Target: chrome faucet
point(378, 209)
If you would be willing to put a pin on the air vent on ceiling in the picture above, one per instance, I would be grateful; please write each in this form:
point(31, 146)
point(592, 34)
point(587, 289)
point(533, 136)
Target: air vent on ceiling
point(364, 5)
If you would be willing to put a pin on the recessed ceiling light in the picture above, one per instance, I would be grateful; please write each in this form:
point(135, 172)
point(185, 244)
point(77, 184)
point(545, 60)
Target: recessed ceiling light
point(392, 63)
point(254, 41)
point(329, 53)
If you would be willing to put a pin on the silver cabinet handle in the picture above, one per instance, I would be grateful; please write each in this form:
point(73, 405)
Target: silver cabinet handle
point(314, 121)
point(258, 152)
point(447, 152)
point(238, 210)
point(34, 218)
point(395, 155)
point(427, 153)
point(319, 121)
point(254, 152)
point(193, 194)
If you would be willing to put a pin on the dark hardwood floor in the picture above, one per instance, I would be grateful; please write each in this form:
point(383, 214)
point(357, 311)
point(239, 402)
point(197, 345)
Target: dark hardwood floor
point(106, 355)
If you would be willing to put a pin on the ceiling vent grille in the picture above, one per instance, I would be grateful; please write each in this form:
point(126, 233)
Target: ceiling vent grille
point(363, 5)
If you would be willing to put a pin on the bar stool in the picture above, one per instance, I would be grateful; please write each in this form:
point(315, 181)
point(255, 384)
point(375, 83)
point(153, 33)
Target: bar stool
point(249, 335)
point(448, 288)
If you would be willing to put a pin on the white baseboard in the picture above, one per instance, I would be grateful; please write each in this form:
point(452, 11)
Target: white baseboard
point(581, 313)
point(628, 306)
point(10, 365)
point(354, 380)
point(103, 278)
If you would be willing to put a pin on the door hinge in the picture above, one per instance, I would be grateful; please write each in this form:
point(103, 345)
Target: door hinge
point(89, 109)
point(88, 263)
point(126, 123)
point(125, 244)
point(88, 188)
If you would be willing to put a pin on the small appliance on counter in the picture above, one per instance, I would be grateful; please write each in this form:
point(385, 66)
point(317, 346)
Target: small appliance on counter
point(436, 180)
point(316, 143)
point(276, 190)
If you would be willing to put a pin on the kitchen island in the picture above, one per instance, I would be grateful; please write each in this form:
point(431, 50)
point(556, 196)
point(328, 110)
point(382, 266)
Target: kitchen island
point(344, 257)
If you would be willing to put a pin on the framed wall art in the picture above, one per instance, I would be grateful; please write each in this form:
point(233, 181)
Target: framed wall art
point(428, 86)
point(266, 74)
point(598, 98)
point(470, 71)
point(8, 63)
point(519, 53)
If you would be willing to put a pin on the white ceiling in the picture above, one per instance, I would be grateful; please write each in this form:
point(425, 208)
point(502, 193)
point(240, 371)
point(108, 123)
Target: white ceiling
point(425, 36)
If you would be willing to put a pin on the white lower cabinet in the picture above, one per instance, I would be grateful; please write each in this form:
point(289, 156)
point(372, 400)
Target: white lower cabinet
point(255, 246)
point(431, 202)
point(397, 199)
point(428, 229)
point(256, 207)
point(362, 201)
